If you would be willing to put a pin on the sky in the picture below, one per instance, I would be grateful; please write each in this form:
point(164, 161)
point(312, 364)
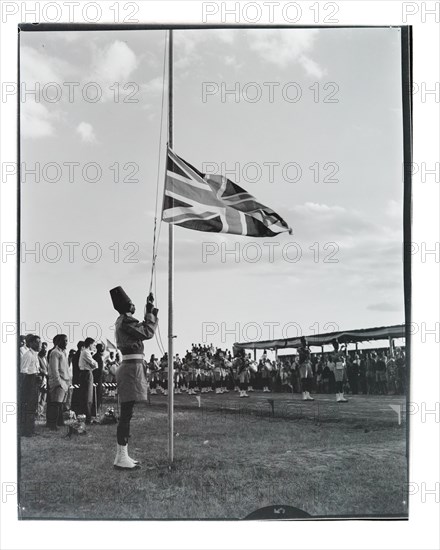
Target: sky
point(313, 130)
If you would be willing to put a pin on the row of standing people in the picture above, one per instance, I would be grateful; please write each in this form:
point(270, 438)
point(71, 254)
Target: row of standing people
point(207, 369)
point(52, 381)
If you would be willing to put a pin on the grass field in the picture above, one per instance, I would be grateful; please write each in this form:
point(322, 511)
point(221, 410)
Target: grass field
point(231, 458)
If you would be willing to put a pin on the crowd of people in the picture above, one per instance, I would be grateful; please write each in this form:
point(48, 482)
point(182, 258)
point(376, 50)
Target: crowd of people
point(206, 369)
point(54, 381)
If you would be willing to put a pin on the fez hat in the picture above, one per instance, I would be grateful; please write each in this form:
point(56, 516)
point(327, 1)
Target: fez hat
point(120, 299)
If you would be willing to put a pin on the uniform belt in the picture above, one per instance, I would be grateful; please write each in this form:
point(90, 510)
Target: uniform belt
point(133, 356)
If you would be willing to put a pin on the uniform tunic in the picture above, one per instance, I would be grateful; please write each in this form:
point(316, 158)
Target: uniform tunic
point(131, 376)
point(338, 366)
point(305, 365)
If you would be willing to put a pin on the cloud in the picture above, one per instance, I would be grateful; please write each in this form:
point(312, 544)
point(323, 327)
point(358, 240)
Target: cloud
point(311, 67)
point(114, 63)
point(332, 221)
point(85, 130)
point(36, 121)
point(189, 43)
point(37, 70)
point(282, 47)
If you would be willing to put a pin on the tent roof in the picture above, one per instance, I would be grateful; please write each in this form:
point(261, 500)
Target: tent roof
point(344, 337)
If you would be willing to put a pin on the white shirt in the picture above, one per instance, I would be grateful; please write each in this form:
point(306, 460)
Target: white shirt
point(86, 361)
point(29, 363)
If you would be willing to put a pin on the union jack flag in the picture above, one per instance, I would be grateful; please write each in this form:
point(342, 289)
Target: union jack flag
point(207, 202)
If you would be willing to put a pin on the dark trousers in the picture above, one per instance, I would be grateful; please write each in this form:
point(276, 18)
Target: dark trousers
point(54, 415)
point(123, 429)
point(29, 403)
point(75, 403)
point(86, 393)
point(97, 403)
point(306, 384)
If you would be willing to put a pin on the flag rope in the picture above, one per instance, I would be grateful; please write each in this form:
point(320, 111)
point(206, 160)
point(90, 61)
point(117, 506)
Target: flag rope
point(155, 230)
point(157, 227)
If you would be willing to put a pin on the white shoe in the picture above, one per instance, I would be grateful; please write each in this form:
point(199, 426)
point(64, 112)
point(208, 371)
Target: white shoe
point(342, 398)
point(304, 394)
point(245, 394)
point(241, 394)
point(309, 397)
point(338, 397)
point(123, 461)
point(132, 459)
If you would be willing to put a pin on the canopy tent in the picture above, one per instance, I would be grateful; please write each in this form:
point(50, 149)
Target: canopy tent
point(344, 337)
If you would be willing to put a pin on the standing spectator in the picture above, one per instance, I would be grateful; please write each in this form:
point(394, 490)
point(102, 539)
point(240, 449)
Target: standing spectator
point(54, 339)
point(391, 375)
point(371, 373)
point(363, 373)
point(111, 366)
point(86, 366)
point(29, 369)
point(23, 346)
point(381, 374)
point(68, 402)
point(42, 379)
point(59, 382)
point(97, 378)
point(354, 383)
point(75, 377)
point(328, 380)
point(400, 372)
point(318, 372)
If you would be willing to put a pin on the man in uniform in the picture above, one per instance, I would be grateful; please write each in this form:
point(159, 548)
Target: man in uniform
point(339, 370)
point(131, 376)
point(305, 369)
point(242, 366)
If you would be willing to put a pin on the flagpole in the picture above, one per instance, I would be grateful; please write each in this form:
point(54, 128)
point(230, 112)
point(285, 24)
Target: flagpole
point(170, 268)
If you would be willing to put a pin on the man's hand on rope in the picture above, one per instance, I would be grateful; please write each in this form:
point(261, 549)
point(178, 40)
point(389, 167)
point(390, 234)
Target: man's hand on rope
point(150, 305)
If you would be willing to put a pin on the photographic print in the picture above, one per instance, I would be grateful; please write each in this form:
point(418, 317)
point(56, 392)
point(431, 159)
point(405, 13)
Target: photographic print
point(214, 272)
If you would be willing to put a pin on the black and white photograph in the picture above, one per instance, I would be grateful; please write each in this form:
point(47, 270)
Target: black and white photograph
point(219, 278)
point(214, 279)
